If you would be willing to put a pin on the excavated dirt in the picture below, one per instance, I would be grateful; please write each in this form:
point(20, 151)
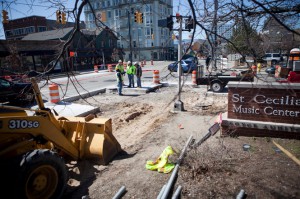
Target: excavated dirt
point(144, 125)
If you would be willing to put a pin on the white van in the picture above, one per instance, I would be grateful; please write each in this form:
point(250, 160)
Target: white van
point(273, 57)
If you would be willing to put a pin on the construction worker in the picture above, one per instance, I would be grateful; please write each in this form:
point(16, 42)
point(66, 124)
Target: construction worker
point(138, 74)
point(121, 68)
point(119, 81)
point(258, 67)
point(130, 72)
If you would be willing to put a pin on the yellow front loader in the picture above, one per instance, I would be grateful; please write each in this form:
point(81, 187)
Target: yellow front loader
point(32, 148)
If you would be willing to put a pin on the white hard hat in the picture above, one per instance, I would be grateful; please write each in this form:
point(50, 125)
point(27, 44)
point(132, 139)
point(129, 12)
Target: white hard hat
point(120, 61)
point(129, 62)
point(135, 63)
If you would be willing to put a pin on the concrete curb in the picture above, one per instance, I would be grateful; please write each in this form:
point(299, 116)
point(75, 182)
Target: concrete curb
point(93, 111)
point(84, 95)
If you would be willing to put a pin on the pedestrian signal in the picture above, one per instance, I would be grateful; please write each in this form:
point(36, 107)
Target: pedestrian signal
point(4, 16)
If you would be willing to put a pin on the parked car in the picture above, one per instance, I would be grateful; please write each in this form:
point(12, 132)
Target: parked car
point(270, 70)
point(193, 59)
point(187, 66)
point(15, 93)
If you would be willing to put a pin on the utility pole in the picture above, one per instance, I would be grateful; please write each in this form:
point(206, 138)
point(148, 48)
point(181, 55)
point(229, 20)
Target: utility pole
point(178, 106)
point(130, 46)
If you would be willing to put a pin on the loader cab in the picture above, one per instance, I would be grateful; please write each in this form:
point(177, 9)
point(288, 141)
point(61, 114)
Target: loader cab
point(294, 60)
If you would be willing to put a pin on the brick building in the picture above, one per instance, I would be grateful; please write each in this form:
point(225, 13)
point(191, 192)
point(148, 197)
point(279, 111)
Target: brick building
point(18, 28)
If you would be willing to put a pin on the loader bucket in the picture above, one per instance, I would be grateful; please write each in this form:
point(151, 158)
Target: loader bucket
point(94, 138)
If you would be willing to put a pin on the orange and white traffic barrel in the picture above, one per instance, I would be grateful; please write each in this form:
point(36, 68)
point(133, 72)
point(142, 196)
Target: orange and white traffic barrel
point(110, 69)
point(156, 77)
point(254, 68)
point(8, 78)
point(54, 93)
point(96, 69)
point(194, 74)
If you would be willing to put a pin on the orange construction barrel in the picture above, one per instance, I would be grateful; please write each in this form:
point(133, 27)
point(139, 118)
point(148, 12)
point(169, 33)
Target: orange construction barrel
point(54, 93)
point(96, 68)
point(194, 74)
point(156, 77)
point(110, 69)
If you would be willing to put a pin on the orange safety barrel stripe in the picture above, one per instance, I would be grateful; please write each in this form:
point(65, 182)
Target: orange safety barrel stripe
point(54, 93)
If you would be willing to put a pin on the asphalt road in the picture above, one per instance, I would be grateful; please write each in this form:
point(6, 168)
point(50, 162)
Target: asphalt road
point(90, 81)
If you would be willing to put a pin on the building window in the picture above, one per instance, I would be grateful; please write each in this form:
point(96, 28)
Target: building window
point(148, 8)
point(147, 31)
point(87, 7)
point(148, 19)
point(109, 14)
point(116, 13)
point(134, 43)
point(41, 28)
point(29, 30)
point(91, 17)
point(148, 43)
point(8, 33)
point(108, 3)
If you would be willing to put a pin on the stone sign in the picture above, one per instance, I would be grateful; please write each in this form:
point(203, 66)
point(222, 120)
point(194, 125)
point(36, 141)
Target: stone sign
point(265, 109)
point(274, 102)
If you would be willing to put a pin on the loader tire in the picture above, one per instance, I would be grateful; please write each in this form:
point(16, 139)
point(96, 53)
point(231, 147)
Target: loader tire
point(42, 174)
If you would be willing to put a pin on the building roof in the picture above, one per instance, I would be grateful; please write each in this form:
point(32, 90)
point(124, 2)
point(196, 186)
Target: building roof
point(49, 35)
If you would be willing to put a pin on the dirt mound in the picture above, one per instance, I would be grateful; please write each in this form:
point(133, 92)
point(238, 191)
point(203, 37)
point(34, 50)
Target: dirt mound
point(144, 125)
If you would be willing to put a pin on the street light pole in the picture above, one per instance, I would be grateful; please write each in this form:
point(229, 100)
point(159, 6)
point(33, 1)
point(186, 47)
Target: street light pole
point(178, 106)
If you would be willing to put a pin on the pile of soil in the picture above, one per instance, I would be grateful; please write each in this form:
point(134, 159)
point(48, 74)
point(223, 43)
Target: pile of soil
point(219, 168)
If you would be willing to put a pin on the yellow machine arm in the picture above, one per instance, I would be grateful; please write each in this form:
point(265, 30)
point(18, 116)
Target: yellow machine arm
point(78, 137)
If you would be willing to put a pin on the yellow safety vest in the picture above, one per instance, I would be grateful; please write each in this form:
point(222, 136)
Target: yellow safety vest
point(161, 163)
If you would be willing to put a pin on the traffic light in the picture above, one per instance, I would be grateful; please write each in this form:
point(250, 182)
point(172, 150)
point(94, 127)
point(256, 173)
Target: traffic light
point(170, 22)
point(58, 16)
point(141, 17)
point(4, 16)
point(189, 23)
point(63, 18)
point(136, 16)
